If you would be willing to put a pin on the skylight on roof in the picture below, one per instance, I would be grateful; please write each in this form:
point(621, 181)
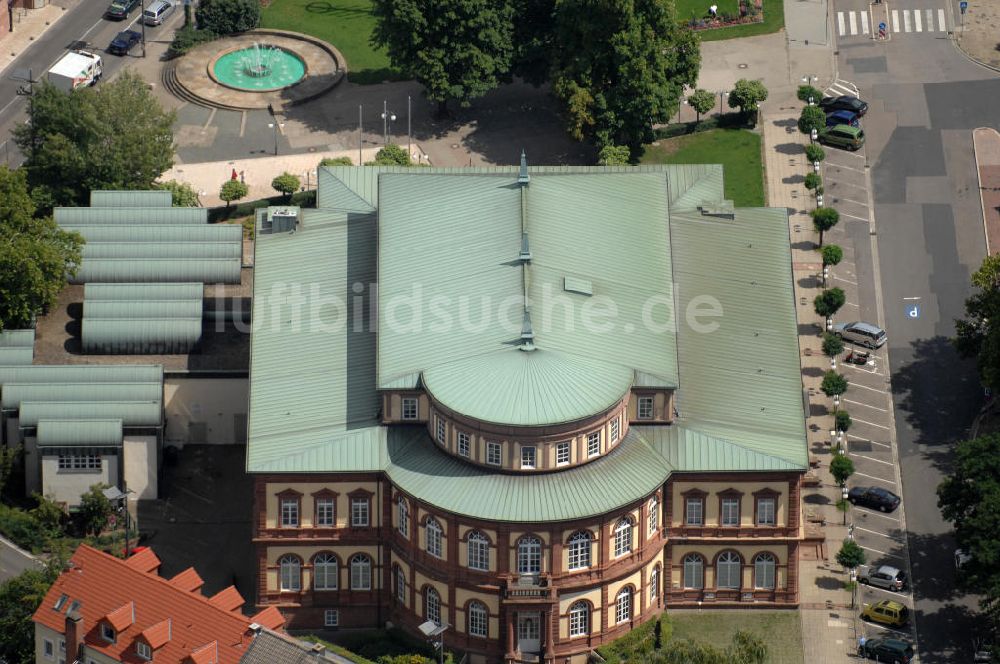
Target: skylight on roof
point(575, 285)
point(60, 602)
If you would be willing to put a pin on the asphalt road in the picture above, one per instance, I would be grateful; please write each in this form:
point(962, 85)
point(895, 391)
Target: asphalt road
point(13, 561)
point(926, 98)
point(84, 27)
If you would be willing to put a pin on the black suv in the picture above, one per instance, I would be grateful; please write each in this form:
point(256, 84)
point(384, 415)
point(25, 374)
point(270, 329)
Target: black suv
point(892, 651)
point(120, 9)
point(845, 103)
point(874, 497)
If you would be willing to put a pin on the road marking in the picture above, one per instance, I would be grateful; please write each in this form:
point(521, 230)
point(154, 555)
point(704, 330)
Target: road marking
point(211, 116)
point(866, 511)
point(880, 426)
point(916, 21)
point(886, 628)
point(929, 20)
point(858, 403)
point(879, 551)
point(866, 440)
point(865, 387)
point(872, 372)
point(849, 200)
point(862, 456)
point(941, 23)
point(854, 23)
point(854, 216)
point(850, 304)
point(875, 532)
point(846, 281)
point(907, 21)
point(886, 590)
point(878, 479)
point(243, 124)
point(841, 28)
point(864, 23)
point(915, 297)
point(849, 168)
point(895, 20)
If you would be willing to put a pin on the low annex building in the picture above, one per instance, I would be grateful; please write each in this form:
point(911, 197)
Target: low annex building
point(538, 406)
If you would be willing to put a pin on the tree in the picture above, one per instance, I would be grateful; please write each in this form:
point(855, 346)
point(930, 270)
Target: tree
point(20, 596)
point(614, 155)
point(842, 420)
point(95, 508)
point(833, 384)
point(534, 32)
point(286, 183)
point(978, 334)
point(813, 181)
point(812, 117)
point(815, 152)
point(226, 17)
point(824, 219)
point(747, 648)
point(841, 467)
point(114, 136)
point(702, 101)
point(619, 67)
point(49, 514)
point(8, 457)
point(233, 190)
point(392, 155)
point(829, 302)
point(456, 49)
point(35, 254)
point(336, 161)
point(832, 254)
point(833, 345)
point(181, 193)
point(747, 94)
point(806, 92)
point(850, 555)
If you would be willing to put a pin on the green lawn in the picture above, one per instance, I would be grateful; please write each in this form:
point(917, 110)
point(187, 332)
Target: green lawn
point(780, 630)
point(774, 18)
point(689, 9)
point(738, 150)
point(347, 24)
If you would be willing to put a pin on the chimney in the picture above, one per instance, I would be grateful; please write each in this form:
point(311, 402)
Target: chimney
point(74, 634)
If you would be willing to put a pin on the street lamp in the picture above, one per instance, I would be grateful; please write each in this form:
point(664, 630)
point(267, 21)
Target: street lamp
point(114, 494)
point(309, 174)
point(722, 95)
point(435, 634)
point(275, 125)
point(387, 117)
point(843, 496)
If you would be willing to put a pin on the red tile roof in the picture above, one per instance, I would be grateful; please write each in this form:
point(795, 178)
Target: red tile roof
point(187, 580)
point(229, 599)
point(270, 618)
point(158, 634)
point(121, 617)
point(105, 585)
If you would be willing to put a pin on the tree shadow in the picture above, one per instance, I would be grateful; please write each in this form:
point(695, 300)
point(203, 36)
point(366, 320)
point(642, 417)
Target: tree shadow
point(813, 371)
point(794, 179)
point(816, 499)
point(810, 282)
point(789, 148)
point(829, 583)
point(804, 245)
point(788, 122)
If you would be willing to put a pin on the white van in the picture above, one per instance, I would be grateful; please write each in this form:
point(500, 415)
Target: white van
point(864, 334)
point(157, 12)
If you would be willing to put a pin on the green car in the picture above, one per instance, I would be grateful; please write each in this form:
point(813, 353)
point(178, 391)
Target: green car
point(842, 136)
point(892, 651)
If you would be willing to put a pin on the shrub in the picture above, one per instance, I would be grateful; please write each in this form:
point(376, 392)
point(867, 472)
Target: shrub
point(832, 254)
point(813, 181)
point(851, 554)
point(225, 17)
point(824, 219)
point(807, 91)
point(815, 152)
point(286, 183)
point(337, 161)
point(833, 384)
point(832, 344)
point(95, 509)
point(842, 421)
point(233, 190)
point(21, 528)
point(392, 155)
point(829, 302)
point(614, 155)
point(181, 193)
point(812, 117)
point(187, 38)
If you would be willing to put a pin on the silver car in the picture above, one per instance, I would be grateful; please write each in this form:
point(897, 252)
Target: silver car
point(864, 334)
point(885, 577)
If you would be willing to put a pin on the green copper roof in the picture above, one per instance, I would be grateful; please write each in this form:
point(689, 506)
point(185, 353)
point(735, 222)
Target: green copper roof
point(688, 450)
point(131, 413)
point(16, 393)
point(79, 433)
point(95, 292)
point(17, 339)
point(130, 198)
point(103, 216)
point(167, 233)
point(11, 356)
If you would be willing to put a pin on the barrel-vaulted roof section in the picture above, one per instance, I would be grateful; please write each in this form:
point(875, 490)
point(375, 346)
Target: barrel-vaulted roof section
point(131, 198)
point(103, 216)
point(158, 233)
point(79, 433)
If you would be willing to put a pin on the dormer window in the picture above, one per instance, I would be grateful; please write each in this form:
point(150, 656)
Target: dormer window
point(143, 650)
point(108, 633)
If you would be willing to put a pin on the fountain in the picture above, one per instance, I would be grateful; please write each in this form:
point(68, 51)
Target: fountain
point(259, 67)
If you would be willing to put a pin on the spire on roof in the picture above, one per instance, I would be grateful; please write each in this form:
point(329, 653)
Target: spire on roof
point(522, 176)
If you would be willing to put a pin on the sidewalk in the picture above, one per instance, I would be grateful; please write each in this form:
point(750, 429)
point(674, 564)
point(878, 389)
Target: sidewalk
point(29, 24)
point(986, 144)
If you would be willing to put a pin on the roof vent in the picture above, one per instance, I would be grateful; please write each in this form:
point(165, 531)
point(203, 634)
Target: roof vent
point(522, 176)
point(575, 285)
point(525, 254)
point(723, 210)
point(254, 627)
point(527, 333)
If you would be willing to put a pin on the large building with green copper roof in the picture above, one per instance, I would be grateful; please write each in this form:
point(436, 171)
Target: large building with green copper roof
point(537, 405)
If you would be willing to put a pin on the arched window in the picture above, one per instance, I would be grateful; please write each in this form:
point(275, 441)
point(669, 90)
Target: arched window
point(402, 517)
point(579, 619)
point(694, 571)
point(479, 551)
point(623, 605)
point(478, 619)
point(728, 570)
point(654, 585)
point(529, 555)
point(290, 567)
point(763, 571)
point(400, 577)
point(432, 605)
point(325, 571)
point(361, 572)
point(623, 537)
point(432, 533)
point(579, 550)
point(654, 515)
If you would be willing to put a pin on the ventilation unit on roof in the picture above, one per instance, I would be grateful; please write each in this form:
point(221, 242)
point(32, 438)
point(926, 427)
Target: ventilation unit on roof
point(283, 221)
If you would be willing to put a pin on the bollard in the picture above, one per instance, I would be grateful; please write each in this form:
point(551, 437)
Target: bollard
point(815, 167)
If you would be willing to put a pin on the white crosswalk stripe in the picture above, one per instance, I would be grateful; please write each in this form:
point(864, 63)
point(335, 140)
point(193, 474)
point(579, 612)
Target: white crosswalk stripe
point(916, 21)
point(942, 26)
point(895, 20)
point(853, 22)
point(929, 20)
point(864, 23)
point(841, 28)
point(913, 20)
point(907, 21)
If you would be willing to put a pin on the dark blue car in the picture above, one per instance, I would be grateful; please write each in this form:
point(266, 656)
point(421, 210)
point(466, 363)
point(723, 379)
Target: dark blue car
point(123, 42)
point(875, 498)
point(842, 118)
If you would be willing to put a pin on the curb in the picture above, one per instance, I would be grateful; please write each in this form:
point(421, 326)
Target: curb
point(979, 180)
point(972, 59)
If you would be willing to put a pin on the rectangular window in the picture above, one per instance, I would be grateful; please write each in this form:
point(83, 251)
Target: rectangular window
point(695, 512)
point(765, 512)
point(615, 430)
point(528, 457)
point(324, 511)
point(50, 649)
point(493, 454)
point(61, 602)
point(359, 512)
point(409, 408)
point(107, 632)
point(143, 650)
point(72, 462)
point(439, 425)
point(645, 409)
point(562, 453)
point(730, 512)
point(593, 443)
point(289, 512)
point(463, 444)
point(331, 618)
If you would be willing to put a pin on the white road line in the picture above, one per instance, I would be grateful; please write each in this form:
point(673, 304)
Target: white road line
point(891, 592)
point(929, 20)
point(907, 21)
point(864, 23)
point(841, 27)
point(858, 403)
point(849, 200)
point(846, 281)
point(877, 479)
point(879, 551)
point(853, 22)
point(866, 511)
point(849, 168)
point(850, 304)
point(865, 387)
point(916, 21)
point(854, 216)
point(875, 532)
point(886, 628)
point(895, 20)
point(871, 372)
point(862, 456)
point(880, 426)
point(941, 23)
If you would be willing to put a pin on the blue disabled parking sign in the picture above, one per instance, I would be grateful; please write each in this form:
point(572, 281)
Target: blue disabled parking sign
point(963, 5)
point(913, 311)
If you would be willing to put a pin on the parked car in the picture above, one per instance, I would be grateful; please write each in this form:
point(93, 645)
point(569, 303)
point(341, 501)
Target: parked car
point(891, 651)
point(866, 334)
point(123, 42)
point(156, 13)
point(848, 118)
point(885, 576)
point(961, 557)
point(844, 103)
point(120, 9)
point(874, 497)
point(842, 136)
point(887, 612)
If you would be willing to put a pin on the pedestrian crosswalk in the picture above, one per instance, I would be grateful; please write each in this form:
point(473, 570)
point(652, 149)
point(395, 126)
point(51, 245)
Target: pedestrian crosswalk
point(902, 20)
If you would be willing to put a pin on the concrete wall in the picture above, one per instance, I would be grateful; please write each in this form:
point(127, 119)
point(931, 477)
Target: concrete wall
point(68, 485)
point(205, 410)
point(139, 457)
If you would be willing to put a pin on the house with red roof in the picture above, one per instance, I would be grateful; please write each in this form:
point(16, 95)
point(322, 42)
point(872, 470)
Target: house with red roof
point(104, 609)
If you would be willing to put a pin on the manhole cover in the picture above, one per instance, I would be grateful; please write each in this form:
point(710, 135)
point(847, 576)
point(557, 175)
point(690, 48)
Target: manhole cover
point(743, 65)
point(454, 146)
point(312, 149)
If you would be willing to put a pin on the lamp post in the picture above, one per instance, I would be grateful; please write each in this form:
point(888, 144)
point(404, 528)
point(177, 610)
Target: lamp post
point(115, 495)
point(387, 118)
point(843, 496)
point(309, 173)
point(854, 585)
point(722, 95)
point(435, 634)
point(275, 125)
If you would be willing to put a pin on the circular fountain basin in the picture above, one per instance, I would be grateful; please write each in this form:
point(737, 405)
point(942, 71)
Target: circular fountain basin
point(259, 68)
